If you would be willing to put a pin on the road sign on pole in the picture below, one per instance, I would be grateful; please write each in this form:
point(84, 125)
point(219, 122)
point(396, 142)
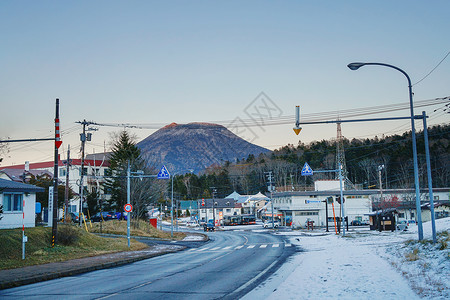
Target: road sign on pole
point(163, 173)
point(307, 171)
point(128, 207)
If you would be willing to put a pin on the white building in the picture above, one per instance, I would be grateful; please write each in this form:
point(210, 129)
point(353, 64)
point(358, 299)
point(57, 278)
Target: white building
point(19, 204)
point(299, 207)
point(95, 167)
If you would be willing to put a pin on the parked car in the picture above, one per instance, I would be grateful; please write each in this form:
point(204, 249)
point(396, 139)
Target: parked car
point(355, 223)
point(268, 224)
point(119, 216)
point(192, 224)
point(73, 216)
point(107, 215)
point(410, 222)
point(402, 225)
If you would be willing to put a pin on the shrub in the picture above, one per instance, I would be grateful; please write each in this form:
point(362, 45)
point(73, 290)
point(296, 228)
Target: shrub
point(67, 235)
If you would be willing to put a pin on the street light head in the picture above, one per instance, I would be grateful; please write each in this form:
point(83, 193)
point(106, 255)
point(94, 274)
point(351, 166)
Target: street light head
point(355, 66)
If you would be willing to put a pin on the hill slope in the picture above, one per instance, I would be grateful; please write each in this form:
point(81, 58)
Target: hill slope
point(195, 146)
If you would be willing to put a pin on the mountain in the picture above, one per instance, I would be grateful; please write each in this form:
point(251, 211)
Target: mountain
point(195, 146)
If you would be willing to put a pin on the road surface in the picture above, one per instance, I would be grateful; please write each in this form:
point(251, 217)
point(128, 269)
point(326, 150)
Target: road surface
point(227, 267)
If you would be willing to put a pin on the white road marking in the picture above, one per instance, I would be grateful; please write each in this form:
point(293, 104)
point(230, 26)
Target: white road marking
point(263, 246)
point(275, 245)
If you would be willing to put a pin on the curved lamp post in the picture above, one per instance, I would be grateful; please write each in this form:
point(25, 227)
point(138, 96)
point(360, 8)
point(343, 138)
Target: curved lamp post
point(355, 66)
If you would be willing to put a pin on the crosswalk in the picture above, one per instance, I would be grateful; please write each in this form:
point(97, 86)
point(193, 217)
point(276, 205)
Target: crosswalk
point(243, 247)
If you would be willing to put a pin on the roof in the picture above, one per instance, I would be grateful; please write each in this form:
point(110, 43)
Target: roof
point(50, 164)
point(17, 174)
point(218, 203)
point(356, 192)
point(12, 186)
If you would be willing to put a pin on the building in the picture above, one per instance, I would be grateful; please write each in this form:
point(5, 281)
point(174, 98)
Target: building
point(250, 204)
point(19, 204)
point(217, 208)
point(301, 206)
point(94, 170)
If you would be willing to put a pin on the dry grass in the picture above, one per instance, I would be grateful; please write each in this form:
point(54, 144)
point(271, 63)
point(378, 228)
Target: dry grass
point(138, 228)
point(39, 250)
point(412, 256)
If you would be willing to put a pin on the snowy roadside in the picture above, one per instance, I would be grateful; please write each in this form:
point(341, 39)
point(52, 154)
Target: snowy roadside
point(364, 265)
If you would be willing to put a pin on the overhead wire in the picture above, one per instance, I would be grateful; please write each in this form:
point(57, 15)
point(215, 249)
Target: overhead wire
point(448, 53)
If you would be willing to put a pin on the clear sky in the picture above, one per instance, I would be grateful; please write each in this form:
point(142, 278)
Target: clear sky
point(159, 62)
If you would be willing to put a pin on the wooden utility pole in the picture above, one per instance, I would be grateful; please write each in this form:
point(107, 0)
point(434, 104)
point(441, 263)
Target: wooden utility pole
point(66, 195)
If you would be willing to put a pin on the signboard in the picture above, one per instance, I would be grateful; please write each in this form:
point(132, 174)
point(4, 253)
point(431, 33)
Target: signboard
point(128, 207)
point(163, 173)
point(50, 206)
point(313, 201)
point(307, 171)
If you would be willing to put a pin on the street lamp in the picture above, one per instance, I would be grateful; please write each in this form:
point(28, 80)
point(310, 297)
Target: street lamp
point(355, 66)
point(171, 209)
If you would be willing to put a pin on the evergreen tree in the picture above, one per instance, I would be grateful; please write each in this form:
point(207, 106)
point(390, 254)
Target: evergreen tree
point(124, 151)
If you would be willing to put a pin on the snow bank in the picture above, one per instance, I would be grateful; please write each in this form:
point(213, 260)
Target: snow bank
point(364, 264)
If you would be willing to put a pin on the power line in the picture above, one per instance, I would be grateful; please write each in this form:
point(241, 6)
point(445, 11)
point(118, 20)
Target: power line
point(289, 119)
point(448, 53)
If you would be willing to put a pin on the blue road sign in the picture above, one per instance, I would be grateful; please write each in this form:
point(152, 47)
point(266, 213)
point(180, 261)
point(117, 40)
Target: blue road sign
point(307, 171)
point(163, 173)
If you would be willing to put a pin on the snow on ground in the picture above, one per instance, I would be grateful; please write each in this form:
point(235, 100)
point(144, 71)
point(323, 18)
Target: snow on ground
point(362, 265)
point(194, 238)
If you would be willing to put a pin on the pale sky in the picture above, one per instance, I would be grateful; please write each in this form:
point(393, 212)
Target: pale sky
point(158, 62)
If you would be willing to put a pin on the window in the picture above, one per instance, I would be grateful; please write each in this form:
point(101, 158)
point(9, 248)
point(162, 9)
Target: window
point(84, 171)
point(401, 215)
point(62, 172)
point(12, 202)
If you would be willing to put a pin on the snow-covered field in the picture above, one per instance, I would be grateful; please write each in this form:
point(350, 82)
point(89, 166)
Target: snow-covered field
point(363, 265)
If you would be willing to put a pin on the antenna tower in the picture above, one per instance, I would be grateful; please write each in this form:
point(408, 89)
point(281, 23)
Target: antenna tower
point(340, 159)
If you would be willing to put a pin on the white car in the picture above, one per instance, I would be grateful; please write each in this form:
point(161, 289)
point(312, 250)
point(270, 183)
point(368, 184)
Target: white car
point(268, 224)
point(192, 224)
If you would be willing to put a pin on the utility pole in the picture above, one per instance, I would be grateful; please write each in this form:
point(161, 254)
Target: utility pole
point(66, 195)
point(214, 191)
point(55, 176)
point(83, 139)
point(380, 168)
point(270, 178)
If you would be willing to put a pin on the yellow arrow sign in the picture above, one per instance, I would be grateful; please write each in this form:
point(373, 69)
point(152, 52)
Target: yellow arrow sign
point(297, 130)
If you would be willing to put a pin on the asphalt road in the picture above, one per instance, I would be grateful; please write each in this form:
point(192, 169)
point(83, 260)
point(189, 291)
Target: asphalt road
point(227, 267)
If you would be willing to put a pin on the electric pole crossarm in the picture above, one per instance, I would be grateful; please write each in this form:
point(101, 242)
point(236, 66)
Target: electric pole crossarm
point(27, 140)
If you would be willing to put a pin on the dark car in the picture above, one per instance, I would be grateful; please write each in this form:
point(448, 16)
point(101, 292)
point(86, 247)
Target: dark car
point(104, 216)
point(209, 226)
point(356, 223)
point(73, 217)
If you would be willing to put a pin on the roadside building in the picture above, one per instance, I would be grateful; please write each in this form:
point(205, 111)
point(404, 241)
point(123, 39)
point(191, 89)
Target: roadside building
point(298, 207)
point(94, 170)
point(19, 204)
point(219, 208)
point(250, 204)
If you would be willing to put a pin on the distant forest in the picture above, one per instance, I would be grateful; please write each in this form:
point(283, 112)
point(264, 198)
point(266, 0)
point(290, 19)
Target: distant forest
point(363, 158)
